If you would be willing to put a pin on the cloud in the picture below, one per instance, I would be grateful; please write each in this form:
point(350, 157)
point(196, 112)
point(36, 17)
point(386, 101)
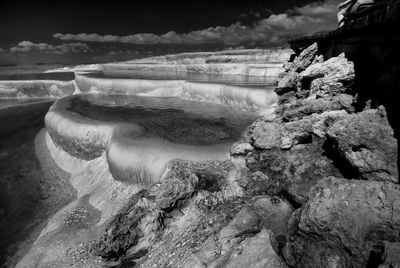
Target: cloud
point(27, 46)
point(2, 50)
point(273, 30)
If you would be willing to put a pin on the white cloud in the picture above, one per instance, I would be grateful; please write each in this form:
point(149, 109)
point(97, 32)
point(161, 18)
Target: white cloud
point(27, 46)
point(271, 31)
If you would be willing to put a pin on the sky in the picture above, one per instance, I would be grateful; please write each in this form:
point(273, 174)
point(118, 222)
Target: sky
point(86, 31)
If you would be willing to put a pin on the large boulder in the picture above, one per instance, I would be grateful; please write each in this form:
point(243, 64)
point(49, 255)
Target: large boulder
point(365, 145)
point(344, 224)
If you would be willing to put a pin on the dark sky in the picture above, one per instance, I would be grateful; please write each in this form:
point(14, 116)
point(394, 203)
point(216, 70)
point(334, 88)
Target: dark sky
point(38, 21)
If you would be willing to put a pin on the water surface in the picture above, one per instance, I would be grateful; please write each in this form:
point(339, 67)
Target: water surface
point(170, 118)
point(60, 76)
point(227, 79)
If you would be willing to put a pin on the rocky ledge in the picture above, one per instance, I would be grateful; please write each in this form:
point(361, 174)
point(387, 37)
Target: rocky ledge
point(314, 185)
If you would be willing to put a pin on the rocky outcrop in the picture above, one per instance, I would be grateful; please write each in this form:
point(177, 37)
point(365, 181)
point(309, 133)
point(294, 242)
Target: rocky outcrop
point(133, 230)
point(345, 224)
point(304, 107)
point(292, 155)
point(314, 185)
point(366, 144)
point(316, 133)
point(189, 219)
point(260, 219)
point(337, 70)
point(137, 219)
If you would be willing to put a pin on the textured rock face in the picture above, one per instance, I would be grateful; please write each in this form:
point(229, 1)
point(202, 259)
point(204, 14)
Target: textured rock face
point(303, 107)
point(287, 83)
point(319, 79)
point(272, 213)
point(305, 59)
point(188, 220)
point(296, 170)
point(258, 251)
point(337, 67)
point(290, 78)
point(141, 220)
point(292, 155)
point(331, 77)
point(138, 218)
point(366, 144)
point(344, 224)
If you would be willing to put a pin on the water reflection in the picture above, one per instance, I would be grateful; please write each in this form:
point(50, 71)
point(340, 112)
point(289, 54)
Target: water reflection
point(173, 119)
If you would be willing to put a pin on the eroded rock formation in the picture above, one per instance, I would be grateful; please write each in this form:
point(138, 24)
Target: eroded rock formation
point(318, 154)
point(315, 184)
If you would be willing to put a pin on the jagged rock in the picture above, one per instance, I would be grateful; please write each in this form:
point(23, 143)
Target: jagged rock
point(241, 149)
point(258, 183)
point(137, 219)
point(343, 224)
point(366, 146)
point(132, 231)
point(177, 186)
point(287, 83)
point(262, 212)
point(333, 76)
point(337, 67)
point(322, 122)
point(296, 170)
point(323, 87)
point(302, 108)
point(304, 60)
point(270, 135)
point(258, 251)
point(318, 59)
point(294, 157)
